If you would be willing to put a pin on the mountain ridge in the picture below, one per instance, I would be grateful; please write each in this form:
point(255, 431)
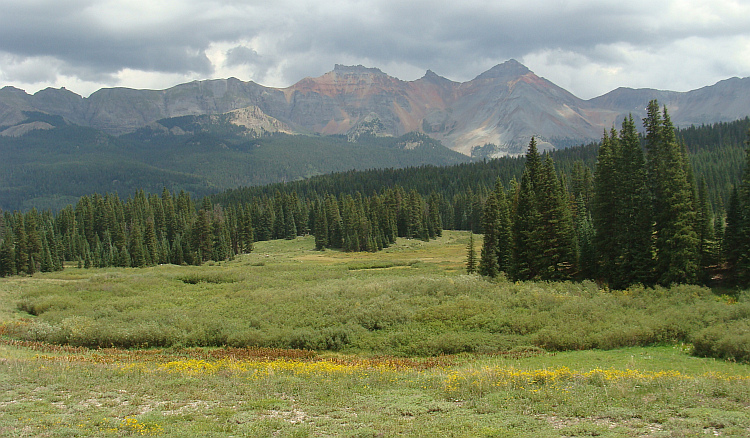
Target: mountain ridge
point(505, 106)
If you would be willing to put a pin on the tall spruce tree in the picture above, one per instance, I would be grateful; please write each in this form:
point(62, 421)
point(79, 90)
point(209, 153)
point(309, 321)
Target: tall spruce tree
point(634, 233)
point(488, 263)
point(605, 208)
point(705, 229)
point(504, 230)
point(7, 255)
point(527, 220)
point(557, 232)
point(676, 243)
point(586, 256)
point(738, 229)
point(543, 234)
point(471, 255)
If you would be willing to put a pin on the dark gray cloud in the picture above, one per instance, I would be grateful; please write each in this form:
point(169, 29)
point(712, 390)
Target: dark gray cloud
point(242, 55)
point(587, 46)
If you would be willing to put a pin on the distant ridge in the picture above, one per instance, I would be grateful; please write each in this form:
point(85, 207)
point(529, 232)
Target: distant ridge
point(504, 106)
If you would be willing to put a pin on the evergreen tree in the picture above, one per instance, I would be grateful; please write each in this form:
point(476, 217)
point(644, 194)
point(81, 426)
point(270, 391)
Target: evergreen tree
point(543, 233)
point(434, 218)
point(496, 250)
point(582, 184)
point(634, 230)
point(203, 241)
point(527, 231)
point(246, 233)
point(471, 255)
point(123, 257)
point(504, 230)
point(7, 255)
point(321, 227)
point(557, 233)
point(674, 216)
point(586, 257)
point(335, 223)
point(738, 228)
point(136, 249)
point(45, 264)
point(151, 249)
point(488, 263)
point(605, 208)
point(705, 229)
point(21, 249)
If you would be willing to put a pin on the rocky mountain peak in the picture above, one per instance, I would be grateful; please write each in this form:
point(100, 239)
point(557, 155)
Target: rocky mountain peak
point(357, 70)
point(431, 76)
point(12, 89)
point(508, 70)
point(503, 106)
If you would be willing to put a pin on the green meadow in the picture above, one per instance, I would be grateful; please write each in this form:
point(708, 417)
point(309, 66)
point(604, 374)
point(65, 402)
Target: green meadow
point(292, 342)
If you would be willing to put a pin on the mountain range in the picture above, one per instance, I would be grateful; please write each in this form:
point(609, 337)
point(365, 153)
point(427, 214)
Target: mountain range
point(503, 106)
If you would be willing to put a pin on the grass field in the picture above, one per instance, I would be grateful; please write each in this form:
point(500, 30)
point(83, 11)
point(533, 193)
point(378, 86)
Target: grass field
point(292, 342)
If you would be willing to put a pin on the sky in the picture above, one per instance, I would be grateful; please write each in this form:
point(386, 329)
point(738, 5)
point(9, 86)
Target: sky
point(588, 47)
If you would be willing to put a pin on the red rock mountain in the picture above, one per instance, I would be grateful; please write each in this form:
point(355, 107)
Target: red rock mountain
point(505, 106)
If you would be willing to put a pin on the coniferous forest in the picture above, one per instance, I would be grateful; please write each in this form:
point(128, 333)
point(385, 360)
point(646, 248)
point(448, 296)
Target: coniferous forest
point(663, 207)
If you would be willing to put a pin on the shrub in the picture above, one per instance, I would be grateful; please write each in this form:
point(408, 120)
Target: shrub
point(209, 277)
point(729, 341)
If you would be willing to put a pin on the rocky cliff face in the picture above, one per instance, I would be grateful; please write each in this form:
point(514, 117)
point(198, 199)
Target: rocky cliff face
point(505, 106)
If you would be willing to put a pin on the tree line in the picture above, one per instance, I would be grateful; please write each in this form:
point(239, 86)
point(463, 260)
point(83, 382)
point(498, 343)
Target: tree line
point(145, 230)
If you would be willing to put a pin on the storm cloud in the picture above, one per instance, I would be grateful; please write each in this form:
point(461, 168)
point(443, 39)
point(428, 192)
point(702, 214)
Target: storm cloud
point(588, 46)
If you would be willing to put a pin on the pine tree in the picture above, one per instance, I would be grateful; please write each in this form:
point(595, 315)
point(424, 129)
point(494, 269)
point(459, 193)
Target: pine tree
point(585, 235)
point(203, 242)
point(676, 242)
point(634, 234)
point(434, 218)
point(136, 250)
point(335, 223)
point(605, 208)
point(471, 255)
point(21, 249)
point(151, 250)
point(582, 184)
point(45, 263)
point(527, 232)
point(7, 255)
point(246, 233)
point(705, 229)
point(504, 230)
point(558, 255)
point(321, 227)
point(738, 227)
point(496, 253)
point(488, 263)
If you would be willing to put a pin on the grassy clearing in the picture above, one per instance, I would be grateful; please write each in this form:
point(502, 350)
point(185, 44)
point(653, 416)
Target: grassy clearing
point(407, 345)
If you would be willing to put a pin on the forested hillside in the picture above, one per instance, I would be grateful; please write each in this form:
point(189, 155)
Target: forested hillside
point(716, 152)
point(51, 168)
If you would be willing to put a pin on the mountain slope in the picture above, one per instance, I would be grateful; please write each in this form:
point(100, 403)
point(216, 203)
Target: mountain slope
point(505, 106)
point(200, 154)
point(725, 101)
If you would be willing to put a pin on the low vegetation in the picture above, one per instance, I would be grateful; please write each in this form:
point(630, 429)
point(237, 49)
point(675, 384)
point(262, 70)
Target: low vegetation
point(412, 299)
point(292, 342)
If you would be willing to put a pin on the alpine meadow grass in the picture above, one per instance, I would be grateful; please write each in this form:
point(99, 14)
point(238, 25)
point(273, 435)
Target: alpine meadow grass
point(292, 342)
